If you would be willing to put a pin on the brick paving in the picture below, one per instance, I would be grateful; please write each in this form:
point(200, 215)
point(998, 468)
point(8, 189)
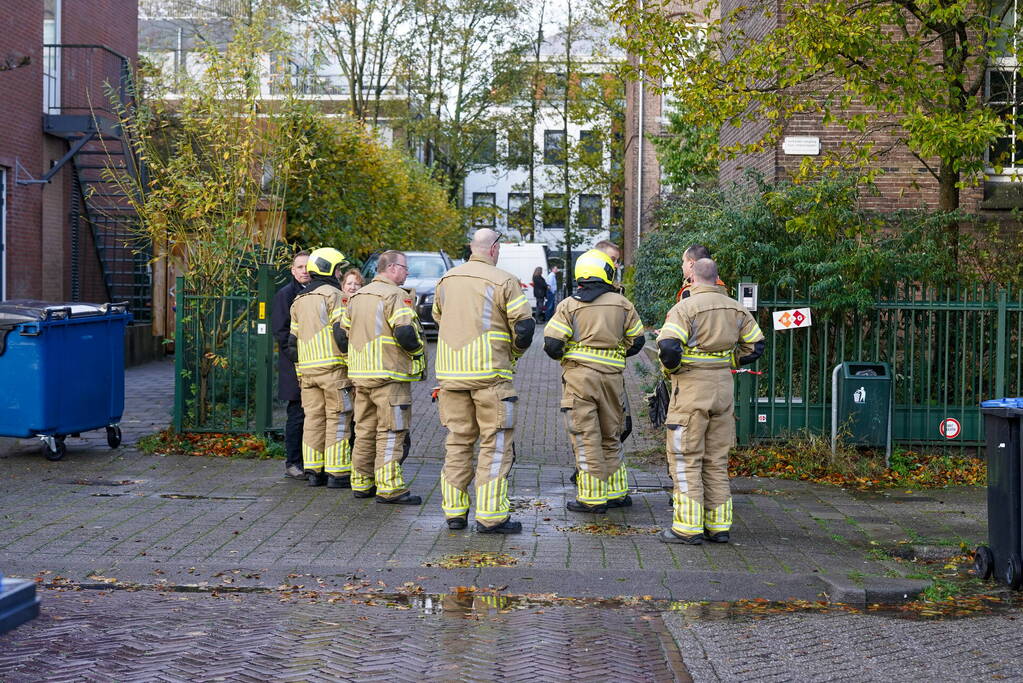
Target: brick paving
point(121, 636)
point(147, 523)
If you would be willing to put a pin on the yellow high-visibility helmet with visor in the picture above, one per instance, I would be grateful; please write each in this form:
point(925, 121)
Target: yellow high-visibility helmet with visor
point(324, 261)
point(595, 263)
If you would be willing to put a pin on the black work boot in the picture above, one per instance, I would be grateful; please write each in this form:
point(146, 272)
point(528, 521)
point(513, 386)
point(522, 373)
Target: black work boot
point(457, 522)
point(404, 499)
point(340, 482)
point(576, 506)
point(368, 493)
point(316, 478)
point(623, 502)
point(669, 536)
point(505, 527)
point(719, 537)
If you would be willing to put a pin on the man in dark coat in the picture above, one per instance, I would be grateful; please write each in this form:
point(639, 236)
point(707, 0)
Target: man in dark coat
point(287, 381)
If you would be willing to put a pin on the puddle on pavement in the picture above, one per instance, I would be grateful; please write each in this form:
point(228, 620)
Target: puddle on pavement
point(189, 496)
point(104, 482)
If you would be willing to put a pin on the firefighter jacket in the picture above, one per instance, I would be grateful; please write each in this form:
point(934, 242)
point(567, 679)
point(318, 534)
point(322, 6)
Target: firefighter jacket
point(687, 289)
point(384, 336)
point(599, 333)
point(709, 329)
point(485, 324)
point(315, 339)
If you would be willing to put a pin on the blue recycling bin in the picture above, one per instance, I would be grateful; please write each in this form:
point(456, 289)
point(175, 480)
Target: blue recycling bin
point(61, 371)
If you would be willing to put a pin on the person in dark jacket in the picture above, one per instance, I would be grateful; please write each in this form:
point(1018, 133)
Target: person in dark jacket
point(287, 381)
point(539, 291)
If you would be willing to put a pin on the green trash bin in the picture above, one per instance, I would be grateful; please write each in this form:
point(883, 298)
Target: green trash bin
point(861, 404)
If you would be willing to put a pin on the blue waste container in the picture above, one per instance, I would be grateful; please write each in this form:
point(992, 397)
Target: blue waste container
point(61, 371)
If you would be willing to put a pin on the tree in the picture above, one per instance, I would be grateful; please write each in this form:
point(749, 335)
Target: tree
point(890, 72)
point(458, 67)
point(688, 154)
point(360, 195)
point(211, 197)
point(363, 37)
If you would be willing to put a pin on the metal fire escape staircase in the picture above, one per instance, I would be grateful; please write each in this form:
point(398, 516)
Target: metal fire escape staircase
point(84, 109)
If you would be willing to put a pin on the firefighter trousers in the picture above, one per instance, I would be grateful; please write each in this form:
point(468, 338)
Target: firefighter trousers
point(700, 432)
point(382, 415)
point(486, 414)
point(325, 430)
point(593, 403)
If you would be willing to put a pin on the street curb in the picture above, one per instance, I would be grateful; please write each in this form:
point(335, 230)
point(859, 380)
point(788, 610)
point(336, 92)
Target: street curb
point(872, 590)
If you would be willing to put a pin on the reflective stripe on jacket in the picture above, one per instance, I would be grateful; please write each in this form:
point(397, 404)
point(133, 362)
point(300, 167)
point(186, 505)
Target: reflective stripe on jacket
point(313, 314)
point(596, 333)
point(713, 328)
point(372, 315)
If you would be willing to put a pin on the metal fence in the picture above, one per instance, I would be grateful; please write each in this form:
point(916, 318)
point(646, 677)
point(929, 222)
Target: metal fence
point(948, 350)
point(225, 359)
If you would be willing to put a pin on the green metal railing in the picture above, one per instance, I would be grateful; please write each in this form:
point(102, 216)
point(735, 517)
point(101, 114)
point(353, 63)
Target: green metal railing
point(949, 350)
point(224, 360)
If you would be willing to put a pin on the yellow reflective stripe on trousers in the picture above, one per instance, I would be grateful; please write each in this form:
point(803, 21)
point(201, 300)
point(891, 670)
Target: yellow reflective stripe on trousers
point(589, 489)
point(312, 458)
point(361, 482)
point(558, 327)
point(612, 357)
point(618, 483)
point(688, 516)
point(389, 479)
point(719, 518)
point(475, 360)
point(454, 501)
point(492, 500)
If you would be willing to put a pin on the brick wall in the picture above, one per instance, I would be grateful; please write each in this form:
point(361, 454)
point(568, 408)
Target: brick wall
point(38, 236)
point(905, 184)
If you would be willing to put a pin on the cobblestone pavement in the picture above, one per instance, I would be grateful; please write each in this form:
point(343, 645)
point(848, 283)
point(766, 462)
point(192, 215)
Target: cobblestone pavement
point(122, 636)
point(850, 647)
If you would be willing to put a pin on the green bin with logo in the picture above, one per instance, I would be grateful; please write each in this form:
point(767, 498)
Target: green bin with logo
point(861, 404)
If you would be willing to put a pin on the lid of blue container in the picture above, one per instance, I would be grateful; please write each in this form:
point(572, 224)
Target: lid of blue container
point(17, 311)
point(1003, 403)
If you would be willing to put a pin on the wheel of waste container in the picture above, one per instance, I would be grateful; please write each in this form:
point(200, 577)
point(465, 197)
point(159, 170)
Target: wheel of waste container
point(113, 436)
point(1013, 572)
point(983, 562)
point(57, 453)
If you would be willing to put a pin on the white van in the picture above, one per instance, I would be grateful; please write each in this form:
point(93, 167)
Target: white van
point(521, 259)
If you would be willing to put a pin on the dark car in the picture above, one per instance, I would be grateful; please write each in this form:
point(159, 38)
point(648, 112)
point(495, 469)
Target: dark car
point(425, 269)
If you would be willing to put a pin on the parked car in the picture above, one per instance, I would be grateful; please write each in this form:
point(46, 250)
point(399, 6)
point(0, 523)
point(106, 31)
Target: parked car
point(425, 269)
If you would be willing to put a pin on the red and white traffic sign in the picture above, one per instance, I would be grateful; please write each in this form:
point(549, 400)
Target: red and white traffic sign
point(949, 428)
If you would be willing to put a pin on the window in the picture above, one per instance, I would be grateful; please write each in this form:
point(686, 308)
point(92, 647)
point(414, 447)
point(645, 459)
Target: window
point(518, 212)
point(554, 86)
point(1004, 90)
point(485, 151)
point(554, 147)
point(554, 212)
point(483, 204)
point(590, 206)
point(591, 145)
point(520, 147)
point(51, 56)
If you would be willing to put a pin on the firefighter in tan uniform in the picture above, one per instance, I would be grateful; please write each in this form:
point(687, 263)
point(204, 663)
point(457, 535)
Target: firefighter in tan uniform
point(591, 333)
point(314, 345)
point(385, 352)
point(704, 336)
point(485, 324)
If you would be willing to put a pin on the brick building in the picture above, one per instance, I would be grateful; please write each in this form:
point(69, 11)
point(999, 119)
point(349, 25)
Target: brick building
point(63, 234)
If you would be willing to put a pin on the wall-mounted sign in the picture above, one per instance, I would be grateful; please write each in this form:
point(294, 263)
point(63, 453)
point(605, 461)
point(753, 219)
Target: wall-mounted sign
point(792, 319)
point(806, 145)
